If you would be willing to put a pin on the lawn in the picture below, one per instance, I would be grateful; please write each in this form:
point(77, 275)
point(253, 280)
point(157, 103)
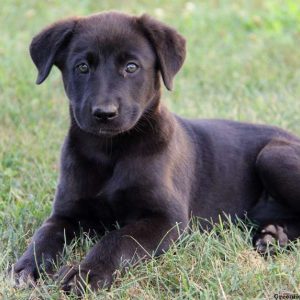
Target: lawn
point(243, 63)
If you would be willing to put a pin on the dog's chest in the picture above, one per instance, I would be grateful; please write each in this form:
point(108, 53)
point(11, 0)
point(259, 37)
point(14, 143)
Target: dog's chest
point(118, 199)
point(118, 194)
point(117, 205)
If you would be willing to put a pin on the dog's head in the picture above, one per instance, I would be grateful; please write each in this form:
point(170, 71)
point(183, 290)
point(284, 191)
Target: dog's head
point(110, 64)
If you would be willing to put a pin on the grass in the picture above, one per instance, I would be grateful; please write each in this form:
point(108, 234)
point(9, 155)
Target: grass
point(243, 63)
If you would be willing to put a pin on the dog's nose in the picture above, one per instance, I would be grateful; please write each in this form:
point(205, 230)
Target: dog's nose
point(105, 113)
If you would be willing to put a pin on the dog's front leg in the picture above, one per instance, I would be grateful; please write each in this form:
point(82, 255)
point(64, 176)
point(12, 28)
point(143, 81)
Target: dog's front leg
point(126, 246)
point(63, 224)
point(46, 243)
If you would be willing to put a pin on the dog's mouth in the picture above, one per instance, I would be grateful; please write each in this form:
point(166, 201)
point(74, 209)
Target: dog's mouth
point(105, 132)
point(109, 132)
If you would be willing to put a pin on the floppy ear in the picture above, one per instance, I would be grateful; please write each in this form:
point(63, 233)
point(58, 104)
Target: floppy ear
point(46, 45)
point(168, 44)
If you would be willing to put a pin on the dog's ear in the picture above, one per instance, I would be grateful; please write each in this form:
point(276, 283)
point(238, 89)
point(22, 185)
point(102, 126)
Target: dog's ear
point(46, 45)
point(168, 44)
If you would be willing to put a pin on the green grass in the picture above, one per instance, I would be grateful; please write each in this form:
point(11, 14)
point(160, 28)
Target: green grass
point(243, 63)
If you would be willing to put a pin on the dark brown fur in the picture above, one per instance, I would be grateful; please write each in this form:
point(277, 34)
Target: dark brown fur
point(128, 160)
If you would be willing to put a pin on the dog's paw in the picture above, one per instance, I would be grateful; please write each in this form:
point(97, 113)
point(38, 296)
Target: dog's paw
point(268, 237)
point(23, 274)
point(77, 280)
point(27, 270)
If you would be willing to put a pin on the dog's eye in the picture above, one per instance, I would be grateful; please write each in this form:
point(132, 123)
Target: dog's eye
point(131, 67)
point(83, 68)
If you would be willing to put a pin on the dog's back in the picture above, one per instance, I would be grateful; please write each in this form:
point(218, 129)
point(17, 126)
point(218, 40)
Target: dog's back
point(226, 180)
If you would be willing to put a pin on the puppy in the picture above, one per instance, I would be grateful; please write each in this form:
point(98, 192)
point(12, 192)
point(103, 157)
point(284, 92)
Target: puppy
point(128, 160)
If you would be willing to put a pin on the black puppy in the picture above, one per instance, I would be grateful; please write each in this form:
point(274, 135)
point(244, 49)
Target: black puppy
point(127, 159)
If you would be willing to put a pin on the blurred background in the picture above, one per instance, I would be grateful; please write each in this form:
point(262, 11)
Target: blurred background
point(243, 63)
